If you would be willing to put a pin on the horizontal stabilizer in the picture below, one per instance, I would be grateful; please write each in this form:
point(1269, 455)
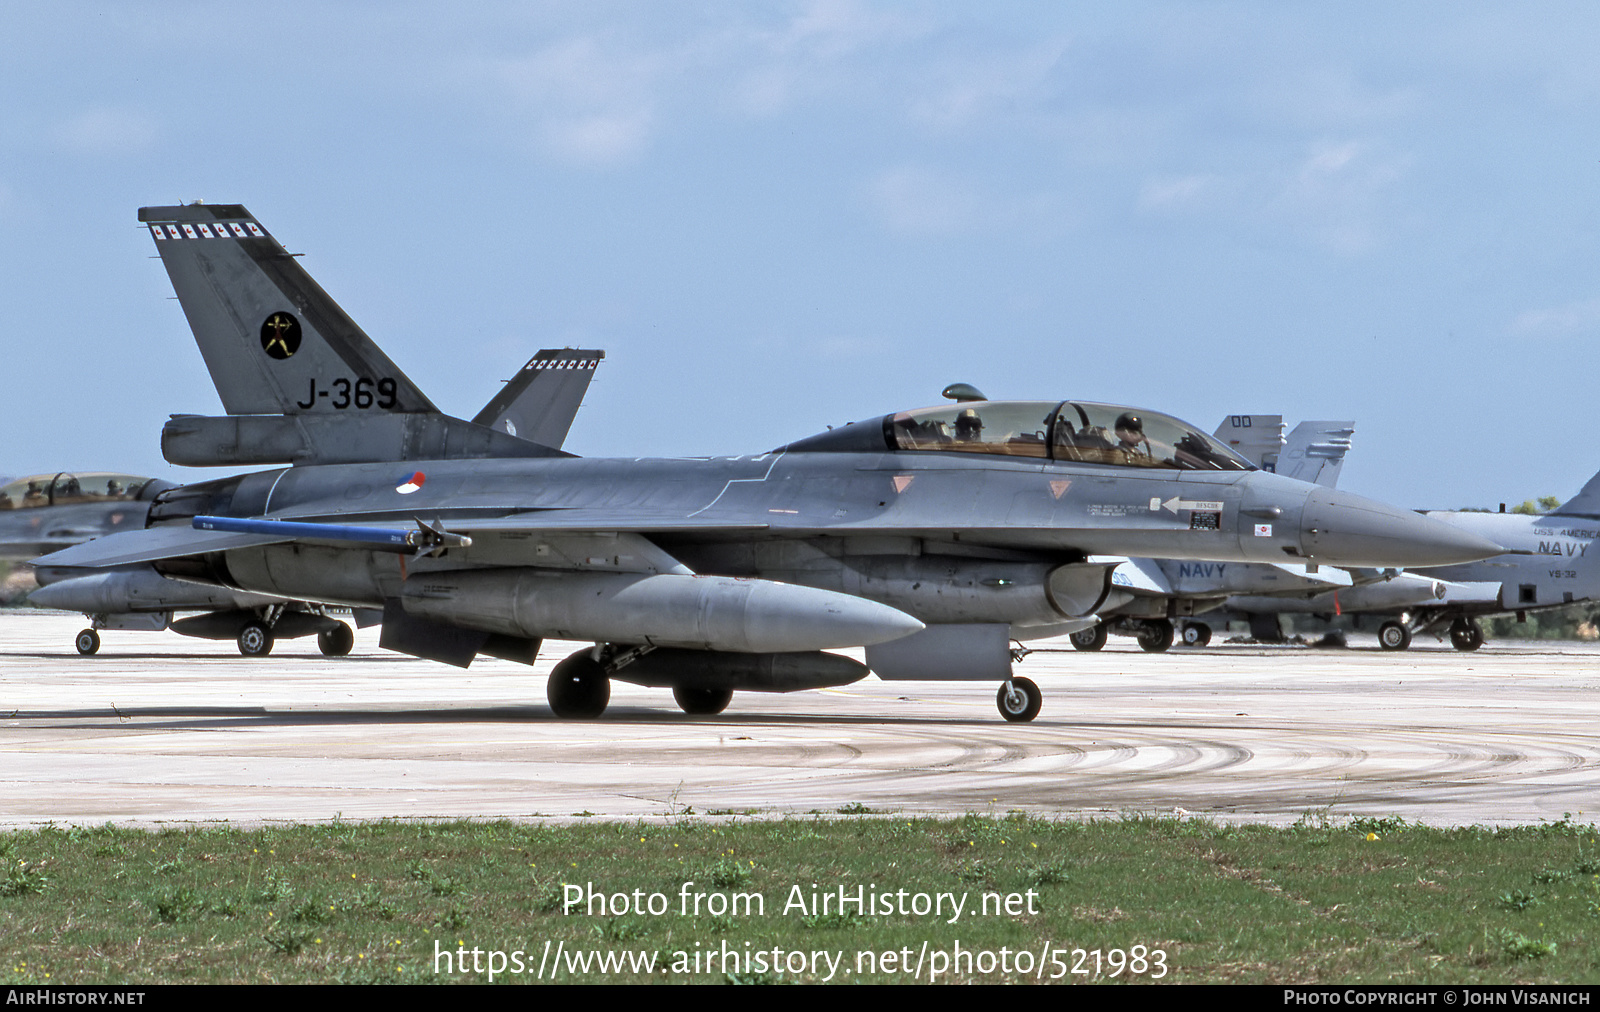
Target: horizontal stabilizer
point(266, 440)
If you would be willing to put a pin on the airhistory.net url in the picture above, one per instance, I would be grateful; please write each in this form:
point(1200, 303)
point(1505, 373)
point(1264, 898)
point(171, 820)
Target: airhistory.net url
point(556, 961)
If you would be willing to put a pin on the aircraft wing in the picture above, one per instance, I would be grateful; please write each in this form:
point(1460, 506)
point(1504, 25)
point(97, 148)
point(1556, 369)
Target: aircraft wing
point(129, 547)
point(559, 539)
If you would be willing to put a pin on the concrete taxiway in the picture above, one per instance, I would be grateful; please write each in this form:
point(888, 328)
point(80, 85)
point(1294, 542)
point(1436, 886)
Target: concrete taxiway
point(160, 729)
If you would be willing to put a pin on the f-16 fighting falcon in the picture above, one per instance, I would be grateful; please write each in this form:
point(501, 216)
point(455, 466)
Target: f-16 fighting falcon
point(933, 537)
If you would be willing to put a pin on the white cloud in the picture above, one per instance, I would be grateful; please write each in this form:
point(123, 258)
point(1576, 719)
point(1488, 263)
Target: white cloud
point(919, 201)
point(999, 84)
point(1173, 192)
point(106, 130)
point(1560, 321)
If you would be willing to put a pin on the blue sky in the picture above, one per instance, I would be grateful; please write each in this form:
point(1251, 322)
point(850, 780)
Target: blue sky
point(776, 217)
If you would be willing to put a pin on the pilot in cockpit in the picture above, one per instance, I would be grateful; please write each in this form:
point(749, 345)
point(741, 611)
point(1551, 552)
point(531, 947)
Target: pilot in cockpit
point(1130, 435)
point(969, 427)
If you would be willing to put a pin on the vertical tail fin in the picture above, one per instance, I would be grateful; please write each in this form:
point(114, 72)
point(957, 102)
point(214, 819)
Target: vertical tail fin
point(1315, 452)
point(273, 340)
point(541, 400)
point(1585, 504)
point(1256, 438)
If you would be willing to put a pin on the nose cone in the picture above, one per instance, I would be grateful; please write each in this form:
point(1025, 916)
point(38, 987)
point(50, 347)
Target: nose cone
point(1341, 529)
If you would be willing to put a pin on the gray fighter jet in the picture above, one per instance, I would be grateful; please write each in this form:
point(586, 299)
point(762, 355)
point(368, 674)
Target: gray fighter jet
point(933, 538)
point(541, 400)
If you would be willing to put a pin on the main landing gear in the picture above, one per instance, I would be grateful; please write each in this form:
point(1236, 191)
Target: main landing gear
point(1466, 634)
point(1154, 635)
point(336, 642)
point(1092, 638)
point(1394, 636)
point(578, 687)
point(255, 639)
point(702, 702)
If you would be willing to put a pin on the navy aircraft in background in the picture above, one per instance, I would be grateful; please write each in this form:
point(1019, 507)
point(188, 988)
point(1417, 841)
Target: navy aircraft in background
point(933, 538)
point(1546, 565)
point(1201, 594)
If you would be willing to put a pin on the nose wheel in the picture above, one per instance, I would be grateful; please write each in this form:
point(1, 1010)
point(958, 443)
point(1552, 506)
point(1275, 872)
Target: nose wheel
point(1196, 634)
point(87, 642)
point(1019, 700)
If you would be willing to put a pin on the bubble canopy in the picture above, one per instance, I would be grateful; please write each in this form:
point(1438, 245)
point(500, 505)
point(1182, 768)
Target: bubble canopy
point(1064, 431)
point(65, 488)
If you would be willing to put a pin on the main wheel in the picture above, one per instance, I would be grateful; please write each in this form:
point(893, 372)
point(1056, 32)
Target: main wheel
point(255, 640)
point(1394, 636)
point(1466, 634)
point(1092, 638)
point(704, 702)
point(87, 642)
point(336, 642)
point(1155, 637)
point(1196, 634)
point(579, 688)
point(1019, 700)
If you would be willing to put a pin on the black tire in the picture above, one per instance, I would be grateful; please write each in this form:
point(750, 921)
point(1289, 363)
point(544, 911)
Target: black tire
point(1394, 636)
point(1466, 634)
point(1019, 700)
point(1092, 638)
point(702, 702)
point(255, 640)
point(336, 642)
point(87, 642)
point(1155, 637)
point(1196, 634)
point(578, 688)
